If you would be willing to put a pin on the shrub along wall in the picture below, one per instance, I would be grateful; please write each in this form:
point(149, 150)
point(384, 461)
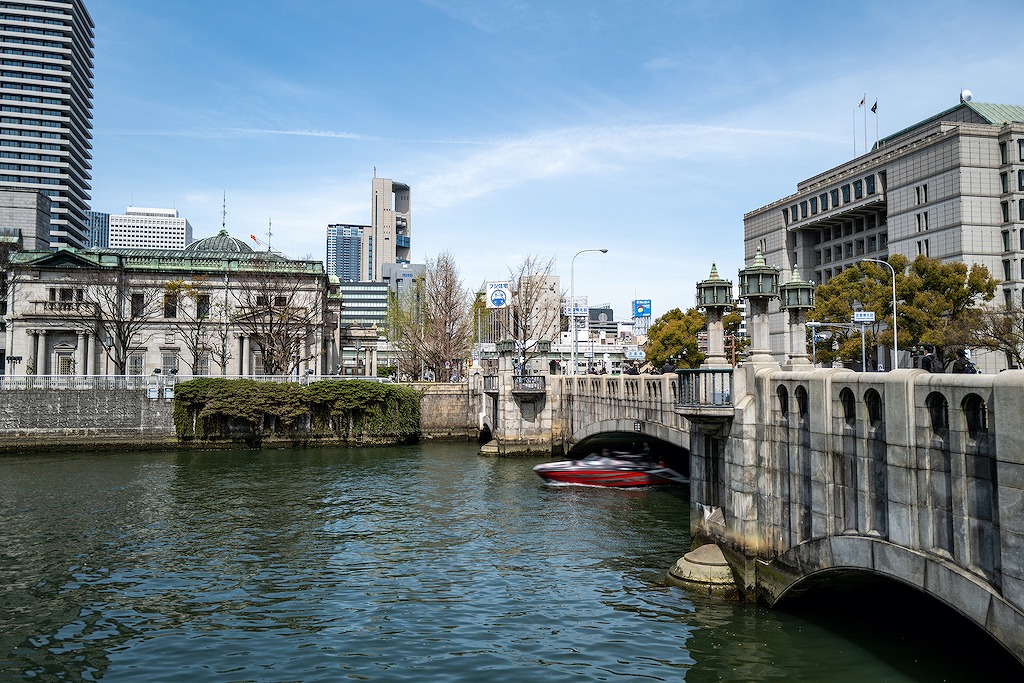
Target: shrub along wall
point(329, 411)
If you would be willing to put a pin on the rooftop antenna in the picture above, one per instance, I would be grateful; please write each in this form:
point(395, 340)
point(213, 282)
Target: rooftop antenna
point(966, 96)
point(224, 213)
point(269, 233)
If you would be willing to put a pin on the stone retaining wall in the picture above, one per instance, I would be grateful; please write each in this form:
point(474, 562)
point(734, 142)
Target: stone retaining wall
point(66, 419)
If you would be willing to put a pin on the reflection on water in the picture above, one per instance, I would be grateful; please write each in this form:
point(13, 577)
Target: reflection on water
point(416, 563)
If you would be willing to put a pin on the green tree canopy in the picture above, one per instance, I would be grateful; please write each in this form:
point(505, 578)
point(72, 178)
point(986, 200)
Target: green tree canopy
point(936, 303)
point(674, 334)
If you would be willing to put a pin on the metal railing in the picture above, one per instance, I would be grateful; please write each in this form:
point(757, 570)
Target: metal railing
point(16, 382)
point(21, 382)
point(705, 387)
point(528, 383)
point(490, 382)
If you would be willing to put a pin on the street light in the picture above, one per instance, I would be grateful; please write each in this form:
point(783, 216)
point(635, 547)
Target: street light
point(572, 303)
point(895, 338)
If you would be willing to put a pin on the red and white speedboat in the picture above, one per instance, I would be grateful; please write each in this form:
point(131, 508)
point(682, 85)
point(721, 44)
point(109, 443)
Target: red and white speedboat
point(615, 469)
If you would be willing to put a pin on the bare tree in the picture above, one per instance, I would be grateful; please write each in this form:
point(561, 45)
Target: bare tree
point(122, 313)
point(534, 316)
point(194, 319)
point(281, 309)
point(1000, 329)
point(446, 315)
point(431, 321)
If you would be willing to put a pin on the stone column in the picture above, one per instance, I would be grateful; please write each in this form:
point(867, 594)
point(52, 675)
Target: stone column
point(246, 357)
point(41, 352)
point(716, 340)
point(798, 337)
point(760, 333)
point(80, 355)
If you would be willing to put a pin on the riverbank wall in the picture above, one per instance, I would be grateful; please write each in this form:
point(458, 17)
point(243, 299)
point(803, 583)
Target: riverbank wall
point(131, 419)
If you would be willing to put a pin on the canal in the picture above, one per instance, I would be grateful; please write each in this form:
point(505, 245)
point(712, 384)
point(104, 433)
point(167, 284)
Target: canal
point(421, 563)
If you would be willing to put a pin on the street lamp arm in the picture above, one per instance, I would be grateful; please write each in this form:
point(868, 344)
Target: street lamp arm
point(572, 305)
point(895, 336)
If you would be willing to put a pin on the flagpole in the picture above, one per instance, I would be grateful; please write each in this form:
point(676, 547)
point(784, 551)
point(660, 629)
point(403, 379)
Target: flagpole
point(864, 106)
point(854, 112)
point(874, 110)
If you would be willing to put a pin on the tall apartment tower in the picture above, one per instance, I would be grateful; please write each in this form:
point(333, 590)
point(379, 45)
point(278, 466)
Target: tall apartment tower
point(140, 228)
point(45, 131)
point(387, 240)
point(344, 250)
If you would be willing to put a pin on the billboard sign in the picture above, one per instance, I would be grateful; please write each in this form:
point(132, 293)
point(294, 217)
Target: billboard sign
point(499, 294)
point(642, 308)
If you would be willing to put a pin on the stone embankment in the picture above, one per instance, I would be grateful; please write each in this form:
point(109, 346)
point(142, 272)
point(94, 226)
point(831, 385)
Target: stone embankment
point(45, 419)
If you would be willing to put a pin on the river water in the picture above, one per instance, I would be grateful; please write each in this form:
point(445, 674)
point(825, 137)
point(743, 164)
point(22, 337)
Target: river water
point(421, 563)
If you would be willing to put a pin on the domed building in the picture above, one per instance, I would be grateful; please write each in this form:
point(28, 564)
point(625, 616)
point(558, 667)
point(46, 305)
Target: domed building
point(216, 307)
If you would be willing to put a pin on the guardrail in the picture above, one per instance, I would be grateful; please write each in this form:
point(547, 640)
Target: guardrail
point(16, 382)
point(528, 383)
point(705, 387)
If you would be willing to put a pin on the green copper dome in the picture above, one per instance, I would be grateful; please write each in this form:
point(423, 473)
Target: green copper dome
point(220, 243)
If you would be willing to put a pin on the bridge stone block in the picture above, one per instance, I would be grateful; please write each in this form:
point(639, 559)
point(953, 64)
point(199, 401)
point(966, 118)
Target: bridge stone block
point(900, 523)
point(960, 590)
point(897, 562)
point(1007, 625)
point(851, 551)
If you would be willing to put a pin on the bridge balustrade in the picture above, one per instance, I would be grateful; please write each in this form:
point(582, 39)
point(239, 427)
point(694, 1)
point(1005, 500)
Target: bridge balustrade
point(528, 383)
point(491, 383)
point(705, 387)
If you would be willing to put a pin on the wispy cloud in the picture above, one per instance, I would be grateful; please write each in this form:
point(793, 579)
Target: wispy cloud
point(584, 151)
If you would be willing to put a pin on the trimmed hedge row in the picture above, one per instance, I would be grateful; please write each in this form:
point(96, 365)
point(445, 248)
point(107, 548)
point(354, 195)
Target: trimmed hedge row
point(353, 411)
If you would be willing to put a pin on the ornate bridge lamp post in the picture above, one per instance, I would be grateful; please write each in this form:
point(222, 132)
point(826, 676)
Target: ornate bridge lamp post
point(759, 283)
point(714, 295)
point(797, 297)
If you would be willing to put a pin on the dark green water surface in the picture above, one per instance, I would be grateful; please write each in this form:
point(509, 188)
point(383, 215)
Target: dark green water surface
point(423, 563)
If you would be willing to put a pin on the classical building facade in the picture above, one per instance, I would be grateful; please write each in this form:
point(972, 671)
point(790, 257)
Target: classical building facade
point(216, 307)
point(45, 132)
point(949, 187)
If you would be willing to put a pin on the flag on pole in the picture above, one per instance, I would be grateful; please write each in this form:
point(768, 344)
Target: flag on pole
point(862, 101)
point(874, 107)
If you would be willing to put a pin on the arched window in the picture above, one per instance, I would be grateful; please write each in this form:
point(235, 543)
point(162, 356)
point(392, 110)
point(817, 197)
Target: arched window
point(976, 415)
point(874, 404)
point(801, 401)
point(938, 412)
point(849, 403)
point(783, 401)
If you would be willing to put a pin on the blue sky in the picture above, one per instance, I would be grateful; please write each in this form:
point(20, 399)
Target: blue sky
point(647, 127)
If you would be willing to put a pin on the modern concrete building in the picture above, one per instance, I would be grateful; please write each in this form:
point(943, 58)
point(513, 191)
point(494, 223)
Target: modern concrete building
point(97, 225)
point(25, 218)
point(388, 238)
point(344, 250)
point(949, 187)
point(141, 228)
point(45, 130)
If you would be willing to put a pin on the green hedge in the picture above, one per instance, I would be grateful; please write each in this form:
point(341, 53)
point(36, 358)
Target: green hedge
point(351, 410)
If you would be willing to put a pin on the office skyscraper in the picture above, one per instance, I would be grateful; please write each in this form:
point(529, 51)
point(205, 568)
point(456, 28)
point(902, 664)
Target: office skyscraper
point(140, 228)
point(46, 87)
point(97, 226)
point(388, 239)
point(344, 244)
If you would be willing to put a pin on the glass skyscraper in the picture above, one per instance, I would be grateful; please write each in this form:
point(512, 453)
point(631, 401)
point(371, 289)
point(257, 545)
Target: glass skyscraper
point(46, 125)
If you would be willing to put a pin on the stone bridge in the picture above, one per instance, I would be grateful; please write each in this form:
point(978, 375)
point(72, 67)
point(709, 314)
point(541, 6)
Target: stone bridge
point(804, 475)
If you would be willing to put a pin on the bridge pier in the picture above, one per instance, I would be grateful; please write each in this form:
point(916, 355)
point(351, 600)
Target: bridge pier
point(822, 473)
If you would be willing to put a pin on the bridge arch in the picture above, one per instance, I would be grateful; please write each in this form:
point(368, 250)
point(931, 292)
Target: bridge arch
point(676, 437)
point(814, 562)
